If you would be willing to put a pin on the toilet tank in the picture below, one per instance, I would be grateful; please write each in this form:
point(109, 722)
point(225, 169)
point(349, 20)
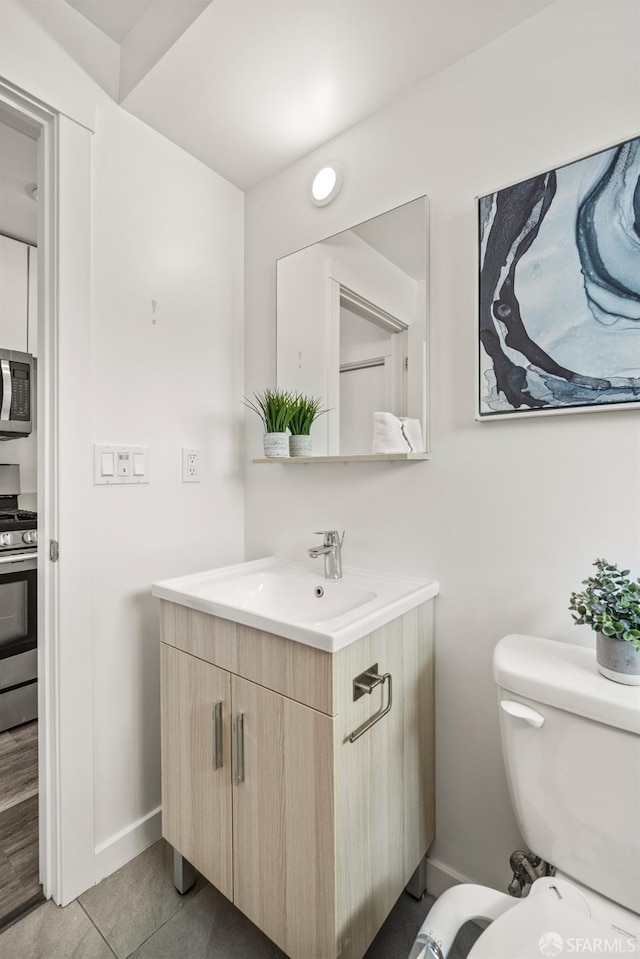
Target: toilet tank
point(573, 763)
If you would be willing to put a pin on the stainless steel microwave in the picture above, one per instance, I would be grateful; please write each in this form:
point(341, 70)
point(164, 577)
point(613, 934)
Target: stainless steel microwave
point(16, 379)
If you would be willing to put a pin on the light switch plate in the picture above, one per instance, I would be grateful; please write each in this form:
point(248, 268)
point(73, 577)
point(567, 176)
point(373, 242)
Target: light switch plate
point(117, 465)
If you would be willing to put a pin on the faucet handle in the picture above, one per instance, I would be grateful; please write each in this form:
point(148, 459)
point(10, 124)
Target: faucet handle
point(331, 536)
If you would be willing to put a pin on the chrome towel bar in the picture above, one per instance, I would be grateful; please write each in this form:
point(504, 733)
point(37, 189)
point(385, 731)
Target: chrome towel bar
point(365, 683)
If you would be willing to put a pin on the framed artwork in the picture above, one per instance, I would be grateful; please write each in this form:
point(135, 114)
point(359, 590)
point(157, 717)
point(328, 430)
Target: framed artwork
point(559, 289)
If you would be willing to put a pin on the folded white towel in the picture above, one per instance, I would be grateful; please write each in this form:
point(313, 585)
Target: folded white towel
point(413, 434)
point(387, 434)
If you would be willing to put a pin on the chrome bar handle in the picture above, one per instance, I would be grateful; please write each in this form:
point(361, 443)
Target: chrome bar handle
point(5, 409)
point(237, 733)
point(216, 736)
point(368, 681)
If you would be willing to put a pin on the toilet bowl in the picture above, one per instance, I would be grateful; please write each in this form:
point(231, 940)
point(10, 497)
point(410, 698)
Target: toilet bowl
point(571, 747)
point(554, 920)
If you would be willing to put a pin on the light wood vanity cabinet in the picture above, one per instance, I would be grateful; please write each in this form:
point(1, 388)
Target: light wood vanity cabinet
point(196, 810)
point(311, 835)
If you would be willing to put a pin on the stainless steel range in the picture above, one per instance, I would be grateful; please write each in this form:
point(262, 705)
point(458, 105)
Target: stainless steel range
point(18, 529)
point(18, 604)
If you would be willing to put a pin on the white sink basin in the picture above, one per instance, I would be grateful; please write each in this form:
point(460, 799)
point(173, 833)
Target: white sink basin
point(296, 601)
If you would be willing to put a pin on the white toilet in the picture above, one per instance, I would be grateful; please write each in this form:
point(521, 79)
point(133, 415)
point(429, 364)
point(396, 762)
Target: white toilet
point(571, 746)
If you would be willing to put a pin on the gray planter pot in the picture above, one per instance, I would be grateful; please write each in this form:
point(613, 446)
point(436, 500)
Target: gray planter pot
point(300, 445)
point(618, 660)
point(276, 444)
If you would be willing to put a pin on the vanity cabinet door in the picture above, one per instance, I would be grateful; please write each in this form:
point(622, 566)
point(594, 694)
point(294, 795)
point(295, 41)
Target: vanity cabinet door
point(283, 821)
point(385, 787)
point(196, 796)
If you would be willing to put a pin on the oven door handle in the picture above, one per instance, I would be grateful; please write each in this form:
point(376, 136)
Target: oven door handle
point(15, 558)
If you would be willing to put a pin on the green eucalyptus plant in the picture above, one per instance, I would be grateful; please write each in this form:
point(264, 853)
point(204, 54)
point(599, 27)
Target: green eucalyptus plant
point(610, 604)
point(274, 407)
point(306, 409)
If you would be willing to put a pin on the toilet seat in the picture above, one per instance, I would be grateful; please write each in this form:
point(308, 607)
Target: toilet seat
point(540, 927)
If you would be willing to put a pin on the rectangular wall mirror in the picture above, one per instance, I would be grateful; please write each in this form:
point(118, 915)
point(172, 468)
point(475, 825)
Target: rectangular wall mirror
point(352, 328)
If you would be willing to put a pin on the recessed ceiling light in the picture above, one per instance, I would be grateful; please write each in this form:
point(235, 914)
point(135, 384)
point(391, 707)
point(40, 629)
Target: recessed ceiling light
point(326, 185)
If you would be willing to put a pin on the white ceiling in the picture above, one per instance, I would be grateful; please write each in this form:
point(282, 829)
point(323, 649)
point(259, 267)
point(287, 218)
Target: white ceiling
point(114, 17)
point(250, 86)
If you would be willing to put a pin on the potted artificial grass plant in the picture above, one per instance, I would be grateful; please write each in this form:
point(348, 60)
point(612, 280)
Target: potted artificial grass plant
point(610, 604)
point(275, 408)
point(306, 409)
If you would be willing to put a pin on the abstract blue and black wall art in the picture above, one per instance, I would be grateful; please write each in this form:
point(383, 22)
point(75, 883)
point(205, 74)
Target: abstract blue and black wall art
point(559, 312)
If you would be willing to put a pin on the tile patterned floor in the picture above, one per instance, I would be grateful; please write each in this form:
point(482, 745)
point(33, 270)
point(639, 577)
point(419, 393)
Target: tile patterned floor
point(137, 914)
point(19, 885)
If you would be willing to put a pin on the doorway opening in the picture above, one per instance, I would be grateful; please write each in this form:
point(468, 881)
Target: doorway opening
point(20, 886)
point(66, 847)
point(372, 347)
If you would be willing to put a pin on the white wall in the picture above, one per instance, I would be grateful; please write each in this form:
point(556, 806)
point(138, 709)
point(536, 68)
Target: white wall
point(302, 347)
point(507, 515)
point(52, 53)
point(165, 228)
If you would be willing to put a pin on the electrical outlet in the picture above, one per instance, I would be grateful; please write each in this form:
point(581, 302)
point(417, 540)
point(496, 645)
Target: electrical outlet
point(190, 466)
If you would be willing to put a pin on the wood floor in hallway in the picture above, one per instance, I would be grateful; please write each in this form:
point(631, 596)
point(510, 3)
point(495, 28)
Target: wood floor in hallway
point(20, 888)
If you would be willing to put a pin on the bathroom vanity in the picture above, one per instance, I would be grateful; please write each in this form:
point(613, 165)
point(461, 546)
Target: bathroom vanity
point(306, 799)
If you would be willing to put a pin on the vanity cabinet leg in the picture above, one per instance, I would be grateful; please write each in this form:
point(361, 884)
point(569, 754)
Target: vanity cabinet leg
point(184, 875)
point(417, 885)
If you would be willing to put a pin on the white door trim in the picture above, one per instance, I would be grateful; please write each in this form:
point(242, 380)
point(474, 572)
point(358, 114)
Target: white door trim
point(65, 704)
point(338, 296)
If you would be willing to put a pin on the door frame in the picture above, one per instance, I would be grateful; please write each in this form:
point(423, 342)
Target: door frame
point(339, 295)
point(65, 686)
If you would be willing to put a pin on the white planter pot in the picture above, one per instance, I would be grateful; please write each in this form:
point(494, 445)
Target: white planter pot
point(618, 660)
point(276, 444)
point(300, 445)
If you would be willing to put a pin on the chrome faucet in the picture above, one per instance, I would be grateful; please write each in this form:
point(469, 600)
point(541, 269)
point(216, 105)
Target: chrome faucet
point(331, 549)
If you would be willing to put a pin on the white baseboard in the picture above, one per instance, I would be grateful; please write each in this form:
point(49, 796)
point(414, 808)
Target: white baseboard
point(128, 843)
point(441, 877)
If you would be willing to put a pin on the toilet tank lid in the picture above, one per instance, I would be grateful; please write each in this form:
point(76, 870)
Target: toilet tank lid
point(566, 677)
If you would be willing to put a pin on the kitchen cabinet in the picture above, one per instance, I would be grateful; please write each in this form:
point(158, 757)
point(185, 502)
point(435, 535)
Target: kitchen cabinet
point(18, 296)
point(312, 835)
point(14, 294)
point(32, 302)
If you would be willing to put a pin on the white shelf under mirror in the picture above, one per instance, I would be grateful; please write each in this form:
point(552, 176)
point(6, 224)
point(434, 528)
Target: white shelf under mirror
point(355, 458)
